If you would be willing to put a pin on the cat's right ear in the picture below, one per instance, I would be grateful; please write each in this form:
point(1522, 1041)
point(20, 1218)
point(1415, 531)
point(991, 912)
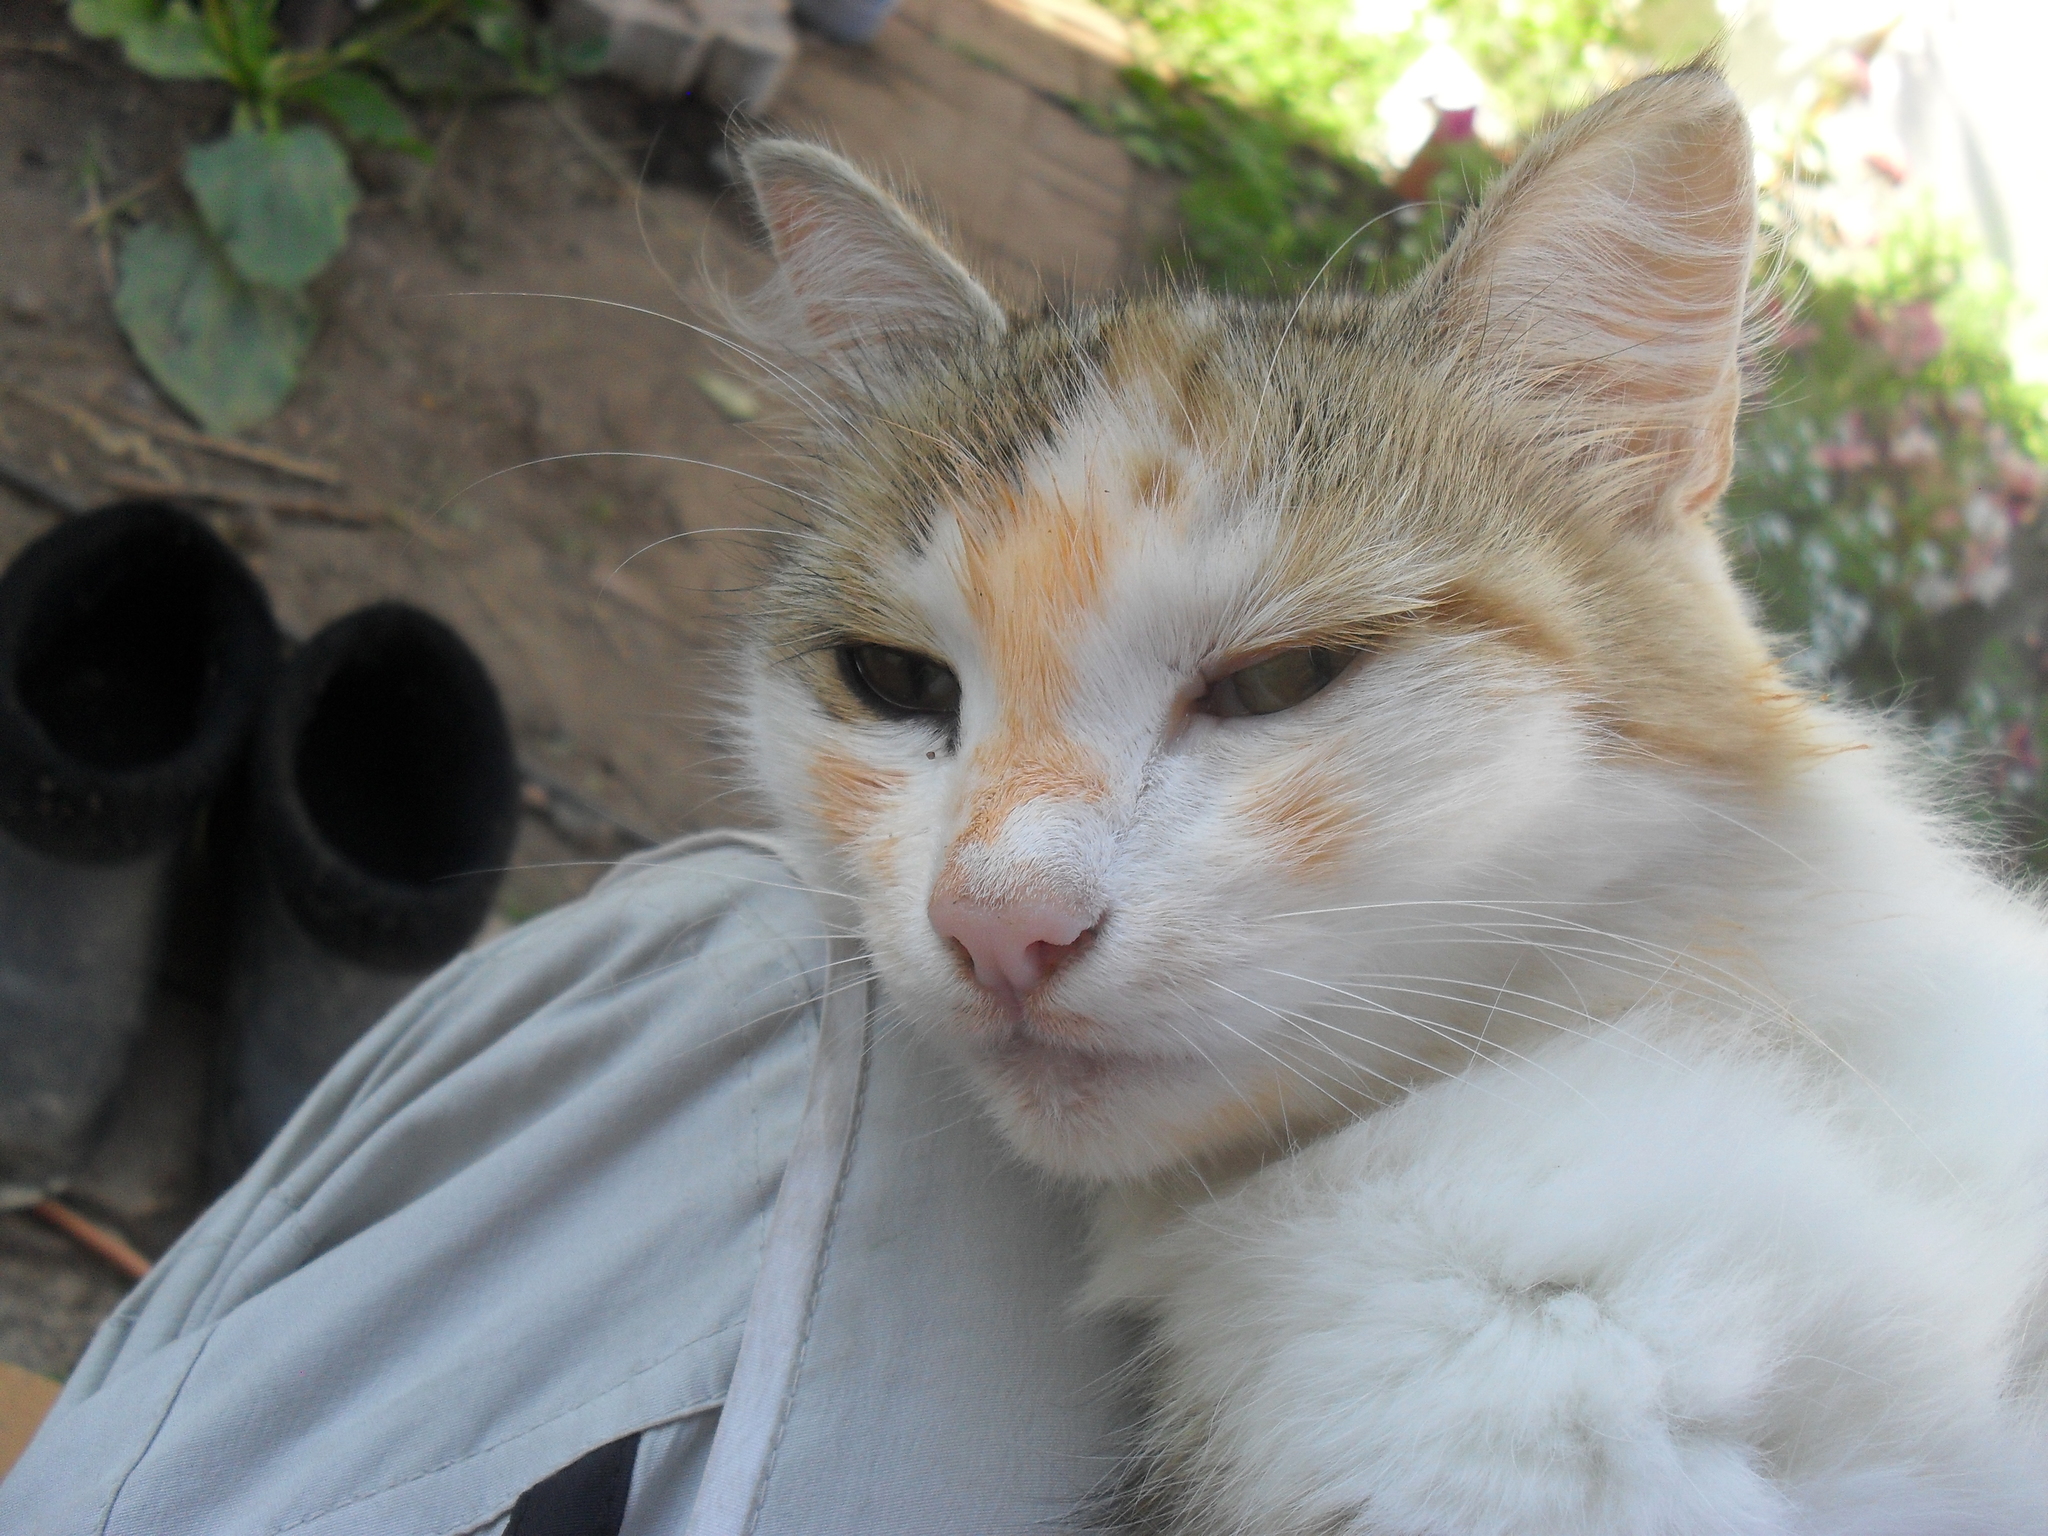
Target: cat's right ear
point(863, 287)
point(1604, 280)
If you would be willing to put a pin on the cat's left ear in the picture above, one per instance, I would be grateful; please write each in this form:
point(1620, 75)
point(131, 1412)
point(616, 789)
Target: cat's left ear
point(1604, 281)
point(863, 287)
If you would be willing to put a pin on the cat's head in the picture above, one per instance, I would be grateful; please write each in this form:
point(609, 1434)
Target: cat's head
point(1185, 693)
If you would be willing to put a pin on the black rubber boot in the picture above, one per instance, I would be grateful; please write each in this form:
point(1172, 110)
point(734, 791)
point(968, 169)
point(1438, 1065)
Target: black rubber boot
point(383, 799)
point(135, 649)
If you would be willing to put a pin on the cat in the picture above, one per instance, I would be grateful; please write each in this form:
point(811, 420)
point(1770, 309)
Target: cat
point(1540, 1069)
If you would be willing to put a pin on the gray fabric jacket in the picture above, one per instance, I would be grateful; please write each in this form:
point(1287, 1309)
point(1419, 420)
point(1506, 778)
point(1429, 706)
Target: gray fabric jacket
point(644, 1165)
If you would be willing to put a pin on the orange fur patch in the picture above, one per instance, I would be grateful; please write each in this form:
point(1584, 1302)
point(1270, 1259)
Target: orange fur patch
point(1030, 576)
point(1303, 814)
point(850, 794)
point(1476, 609)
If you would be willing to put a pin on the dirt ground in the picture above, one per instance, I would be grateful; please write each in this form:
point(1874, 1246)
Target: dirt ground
point(549, 474)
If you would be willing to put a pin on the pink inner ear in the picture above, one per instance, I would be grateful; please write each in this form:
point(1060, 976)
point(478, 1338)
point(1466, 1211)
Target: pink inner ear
point(862, 272)
point(1611, 267)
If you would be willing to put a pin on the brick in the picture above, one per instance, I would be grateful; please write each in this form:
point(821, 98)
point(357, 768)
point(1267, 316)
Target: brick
point(1004, 105)
point(1035, 200)
point(658, 45)
point(751, 50)
point(1056, 133)
point(1084, 192)
point(1049, 231)
point(1011, 44)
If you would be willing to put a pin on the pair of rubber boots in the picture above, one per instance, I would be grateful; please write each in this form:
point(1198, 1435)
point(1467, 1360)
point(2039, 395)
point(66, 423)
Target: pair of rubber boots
point(295, 838)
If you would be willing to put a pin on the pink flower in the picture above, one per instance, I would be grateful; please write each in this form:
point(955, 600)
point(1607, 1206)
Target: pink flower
point(2019, 746)
point(1914, 445)
point(1456, 125)
point(1848, 450)
point(1912, 337)
point(1798, 335)
point(1843, 458)
point(2019, 476)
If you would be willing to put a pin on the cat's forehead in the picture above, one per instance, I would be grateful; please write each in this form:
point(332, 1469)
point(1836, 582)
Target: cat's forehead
point(1199, 477)
point(1204, 446)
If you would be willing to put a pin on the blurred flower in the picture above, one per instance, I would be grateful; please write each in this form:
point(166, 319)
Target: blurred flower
point(1984, 573)
point(1913, 446)
point(2020, 478)
point(1912, 337)
point(1847, 450)
point(2020, 747)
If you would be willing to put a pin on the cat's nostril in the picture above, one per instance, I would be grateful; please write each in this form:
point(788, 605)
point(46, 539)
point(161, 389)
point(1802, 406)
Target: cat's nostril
point(1012, 946)
point(1049, 957)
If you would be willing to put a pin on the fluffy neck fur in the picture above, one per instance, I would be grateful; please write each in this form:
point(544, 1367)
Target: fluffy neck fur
point(1547, 1076)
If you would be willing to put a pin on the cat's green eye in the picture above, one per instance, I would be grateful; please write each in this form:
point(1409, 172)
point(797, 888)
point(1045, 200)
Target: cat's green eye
point(900, 683)
point(1276, 683)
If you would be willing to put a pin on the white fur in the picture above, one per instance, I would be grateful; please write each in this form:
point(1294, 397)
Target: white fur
point(1649, 1280)
point(1622, 1146)
point(1619, 1280)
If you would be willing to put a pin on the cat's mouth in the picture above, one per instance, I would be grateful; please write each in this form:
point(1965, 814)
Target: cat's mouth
point(1052, 1077)
point(1047, 1060)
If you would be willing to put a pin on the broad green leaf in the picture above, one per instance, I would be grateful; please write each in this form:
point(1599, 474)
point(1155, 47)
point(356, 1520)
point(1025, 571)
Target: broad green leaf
point(224, 349)
point(278, 202)
point(248, 38)
point(169, 41)
point(362, 109)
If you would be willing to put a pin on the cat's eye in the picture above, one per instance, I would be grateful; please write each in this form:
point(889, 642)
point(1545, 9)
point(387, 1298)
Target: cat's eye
point(1275, 683)
point(900, 683)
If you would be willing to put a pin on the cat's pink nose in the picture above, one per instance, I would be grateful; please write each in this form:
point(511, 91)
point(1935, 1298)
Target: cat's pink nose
point(1014, 944)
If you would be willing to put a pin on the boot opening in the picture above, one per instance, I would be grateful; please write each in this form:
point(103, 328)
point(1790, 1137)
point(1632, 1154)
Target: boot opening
point(117, 670)
point(402, 765)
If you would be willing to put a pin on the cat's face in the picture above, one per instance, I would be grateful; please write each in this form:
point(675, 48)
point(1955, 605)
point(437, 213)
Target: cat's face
point(1194, 699)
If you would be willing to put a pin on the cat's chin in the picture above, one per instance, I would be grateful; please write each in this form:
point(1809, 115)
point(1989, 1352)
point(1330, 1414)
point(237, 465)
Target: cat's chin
point(1079, 1113)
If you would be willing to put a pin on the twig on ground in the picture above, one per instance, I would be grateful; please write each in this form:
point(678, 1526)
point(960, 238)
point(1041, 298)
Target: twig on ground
point(92, 1237)
point(95, 218)
point(48, 50)
point(29, 488)
point(90, 177)
point(226, 447)
point(572, 815)
point(311, 509)
point(113, 441)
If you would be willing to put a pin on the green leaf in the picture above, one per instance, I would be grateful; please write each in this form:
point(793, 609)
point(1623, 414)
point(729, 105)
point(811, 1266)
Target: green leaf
point(362, 109)
point(168, 41)
point(500, 27)
point(446, 65)
point(278, 202)
point(581, 56)
point(226, 350)
point(245, 32)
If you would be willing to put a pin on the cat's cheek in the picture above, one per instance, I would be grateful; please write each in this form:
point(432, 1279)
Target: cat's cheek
point(1304, 815)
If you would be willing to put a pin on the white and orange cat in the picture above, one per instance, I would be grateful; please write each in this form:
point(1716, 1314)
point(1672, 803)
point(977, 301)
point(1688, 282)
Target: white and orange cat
point(1544, 1072)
